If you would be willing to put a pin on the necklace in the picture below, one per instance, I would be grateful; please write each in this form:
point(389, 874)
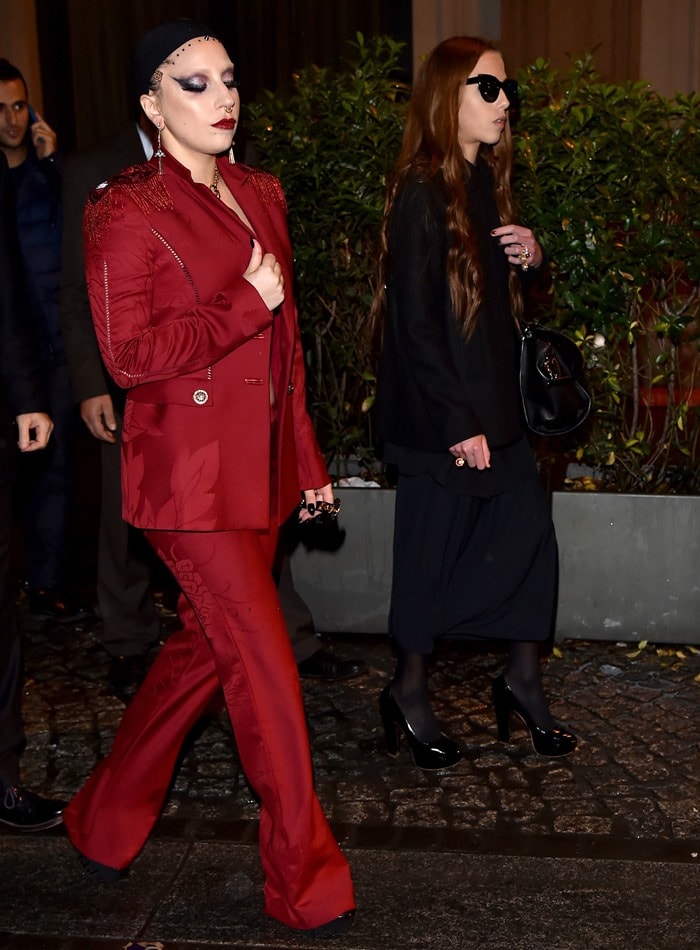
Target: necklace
point(215, 182)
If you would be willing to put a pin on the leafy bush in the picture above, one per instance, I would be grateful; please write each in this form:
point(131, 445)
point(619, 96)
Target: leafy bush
point(331, 143)
point(607, 175)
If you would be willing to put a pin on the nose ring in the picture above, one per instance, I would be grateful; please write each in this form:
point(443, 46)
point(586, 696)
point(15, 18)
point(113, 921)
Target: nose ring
point(228, 109)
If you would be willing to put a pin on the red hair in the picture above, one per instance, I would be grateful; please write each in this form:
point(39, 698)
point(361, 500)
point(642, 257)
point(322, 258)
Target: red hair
point(431, 149)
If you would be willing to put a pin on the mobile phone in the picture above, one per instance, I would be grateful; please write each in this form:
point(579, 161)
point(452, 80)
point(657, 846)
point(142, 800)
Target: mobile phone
point(32, 114)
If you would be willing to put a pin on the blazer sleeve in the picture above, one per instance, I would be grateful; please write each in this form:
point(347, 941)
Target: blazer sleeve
point(312, 467)
point(142, 340)
point(423, 328)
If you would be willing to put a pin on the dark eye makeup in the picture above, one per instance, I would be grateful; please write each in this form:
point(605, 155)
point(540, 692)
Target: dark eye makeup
point(195, 84)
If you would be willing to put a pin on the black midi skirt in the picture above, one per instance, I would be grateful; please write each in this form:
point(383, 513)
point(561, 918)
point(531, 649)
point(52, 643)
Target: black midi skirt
point(470, 567)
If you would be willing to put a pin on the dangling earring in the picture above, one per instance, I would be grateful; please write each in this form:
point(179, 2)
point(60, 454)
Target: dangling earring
point(231, 156)
point(159, 153)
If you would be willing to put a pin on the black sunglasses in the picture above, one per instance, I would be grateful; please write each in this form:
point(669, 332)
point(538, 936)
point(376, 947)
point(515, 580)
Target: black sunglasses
point(490, 87)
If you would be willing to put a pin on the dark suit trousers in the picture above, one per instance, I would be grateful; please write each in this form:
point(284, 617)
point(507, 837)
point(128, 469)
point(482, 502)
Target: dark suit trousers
point(46, 488)
point(234, 638)
point(11, 729)
point(124, 569)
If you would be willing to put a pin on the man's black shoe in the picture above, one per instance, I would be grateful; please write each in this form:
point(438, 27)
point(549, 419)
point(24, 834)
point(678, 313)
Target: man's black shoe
point(323, 665)
point(51, 604)
point(25, 811)
point(101, 872)
point(126, 673)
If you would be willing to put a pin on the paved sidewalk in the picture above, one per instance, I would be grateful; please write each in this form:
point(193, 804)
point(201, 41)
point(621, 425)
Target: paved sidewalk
point(510, 850)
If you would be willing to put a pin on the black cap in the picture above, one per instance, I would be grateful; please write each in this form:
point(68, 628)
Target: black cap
point(152, 48)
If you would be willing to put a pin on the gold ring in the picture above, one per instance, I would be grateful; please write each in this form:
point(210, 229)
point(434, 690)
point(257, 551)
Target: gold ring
point(329, 508)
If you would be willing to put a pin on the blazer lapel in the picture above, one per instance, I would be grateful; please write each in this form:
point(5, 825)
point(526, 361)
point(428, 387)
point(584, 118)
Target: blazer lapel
point(268, 224)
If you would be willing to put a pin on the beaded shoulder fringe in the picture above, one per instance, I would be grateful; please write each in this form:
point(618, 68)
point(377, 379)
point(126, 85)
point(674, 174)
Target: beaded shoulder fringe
point(267, 187)
point(140, 184)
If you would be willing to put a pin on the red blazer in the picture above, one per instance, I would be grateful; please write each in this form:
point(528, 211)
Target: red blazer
point(192, 340)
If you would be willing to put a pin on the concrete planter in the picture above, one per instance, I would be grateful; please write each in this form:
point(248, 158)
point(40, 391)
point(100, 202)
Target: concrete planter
point(629, 566)
point(348, 589)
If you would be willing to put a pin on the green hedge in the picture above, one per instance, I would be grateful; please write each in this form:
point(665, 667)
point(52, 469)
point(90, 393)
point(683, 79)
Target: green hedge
point(607, 177)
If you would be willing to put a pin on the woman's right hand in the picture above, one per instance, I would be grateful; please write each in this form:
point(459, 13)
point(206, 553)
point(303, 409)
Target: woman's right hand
point(475, 452)
point(265, 274)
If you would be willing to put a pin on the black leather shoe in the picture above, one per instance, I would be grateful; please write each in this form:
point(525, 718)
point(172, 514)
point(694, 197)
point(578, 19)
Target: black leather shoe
point(339, 925)
point(549, 742)
point(25, 811)
point(441, 753)
point(323, 665)
point(125, 675)
point(102, 872)
point(51, 604)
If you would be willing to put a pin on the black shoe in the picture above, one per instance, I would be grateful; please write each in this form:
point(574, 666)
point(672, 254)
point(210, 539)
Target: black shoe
point(166, 603)
point(443, 753)
point(549, 742)
point(125, 675)
point(25, 811)
point(51, 604)
point(101, 872)
point(323, 665)
point(339, 925)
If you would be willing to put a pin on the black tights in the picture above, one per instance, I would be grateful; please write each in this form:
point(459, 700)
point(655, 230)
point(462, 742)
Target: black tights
point(409, 687)
point(523, 675)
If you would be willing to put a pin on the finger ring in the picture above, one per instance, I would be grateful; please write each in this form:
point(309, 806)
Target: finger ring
point(523, 257)
point(329, 508)
point(459, 462)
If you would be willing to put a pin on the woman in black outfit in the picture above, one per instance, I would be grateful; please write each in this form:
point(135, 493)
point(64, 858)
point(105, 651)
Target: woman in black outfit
point(474, 549)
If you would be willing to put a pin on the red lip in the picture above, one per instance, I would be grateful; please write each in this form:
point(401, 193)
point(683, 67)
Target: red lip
point(227, 124)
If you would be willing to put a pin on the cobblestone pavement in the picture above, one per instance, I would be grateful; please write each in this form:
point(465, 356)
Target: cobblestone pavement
point(623, 810)
point(635, 774)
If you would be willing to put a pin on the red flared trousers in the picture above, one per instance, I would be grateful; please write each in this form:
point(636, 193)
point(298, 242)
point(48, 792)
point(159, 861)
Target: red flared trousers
point(233, 637)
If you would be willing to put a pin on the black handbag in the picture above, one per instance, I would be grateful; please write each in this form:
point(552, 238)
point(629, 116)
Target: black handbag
point(553, 392)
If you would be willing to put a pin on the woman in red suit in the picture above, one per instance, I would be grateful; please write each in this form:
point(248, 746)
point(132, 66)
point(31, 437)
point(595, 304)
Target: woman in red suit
point(189, 272)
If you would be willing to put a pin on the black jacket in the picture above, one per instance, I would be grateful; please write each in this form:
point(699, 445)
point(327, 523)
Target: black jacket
point(20, 389)
point(37, 186)
point(435, 388)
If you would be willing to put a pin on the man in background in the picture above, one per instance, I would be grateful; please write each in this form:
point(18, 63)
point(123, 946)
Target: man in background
point(125, 563)
point(21, 397)
point(46, 487)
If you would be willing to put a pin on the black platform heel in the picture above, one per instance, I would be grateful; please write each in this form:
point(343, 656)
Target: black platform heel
point(550, 742)
point(443, 753)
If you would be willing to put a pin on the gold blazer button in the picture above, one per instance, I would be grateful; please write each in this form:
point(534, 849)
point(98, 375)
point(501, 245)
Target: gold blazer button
point(459, 462)
point(200, 396)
